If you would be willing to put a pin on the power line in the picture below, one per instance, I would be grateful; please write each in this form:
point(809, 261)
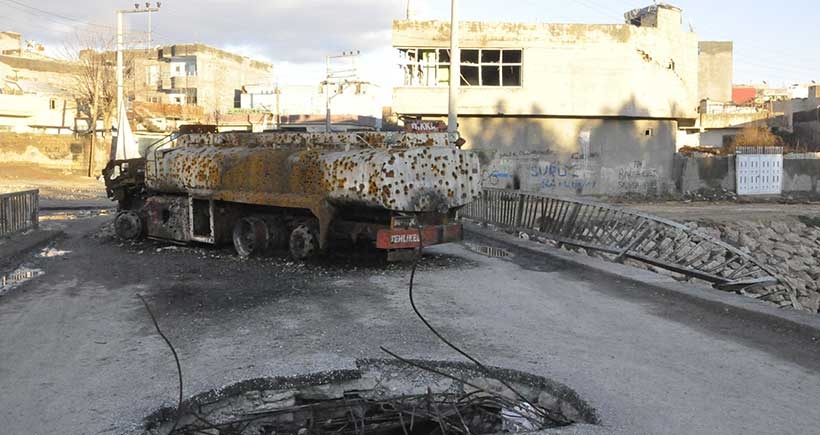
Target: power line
point(590, 6)
point(771, 60)
point(604, 8)
point(774, 67)
point(31, 9)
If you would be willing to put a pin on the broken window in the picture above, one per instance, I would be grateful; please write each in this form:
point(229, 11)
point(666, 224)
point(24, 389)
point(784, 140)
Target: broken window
point(444, 56)
point(429, 66)
point(512, 56)
point(511, 75)
point(469, 57)
point(479, 67)
point(490, 75)
point(470, 75)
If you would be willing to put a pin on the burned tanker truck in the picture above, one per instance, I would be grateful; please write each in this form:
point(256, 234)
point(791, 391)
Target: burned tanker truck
point(295, 191)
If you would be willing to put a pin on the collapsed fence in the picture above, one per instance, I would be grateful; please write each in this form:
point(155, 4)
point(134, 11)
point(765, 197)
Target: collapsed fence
point(621, 234)
point(19, 211)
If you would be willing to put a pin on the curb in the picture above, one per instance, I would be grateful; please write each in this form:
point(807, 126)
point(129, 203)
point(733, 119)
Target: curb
point(18, 246)
point(804, 322)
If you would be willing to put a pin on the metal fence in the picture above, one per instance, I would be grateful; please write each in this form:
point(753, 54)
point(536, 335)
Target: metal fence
point(19, 211)
point(620, 234)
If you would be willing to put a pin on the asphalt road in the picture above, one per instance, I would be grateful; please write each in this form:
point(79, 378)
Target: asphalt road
point(78, 354)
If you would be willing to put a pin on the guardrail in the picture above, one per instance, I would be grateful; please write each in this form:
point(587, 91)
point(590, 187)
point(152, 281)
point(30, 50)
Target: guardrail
point(19, 211)
point(622, 234)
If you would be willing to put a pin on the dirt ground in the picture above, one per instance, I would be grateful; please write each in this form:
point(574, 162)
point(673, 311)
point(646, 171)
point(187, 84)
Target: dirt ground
point(727, 211)
point(53, 184)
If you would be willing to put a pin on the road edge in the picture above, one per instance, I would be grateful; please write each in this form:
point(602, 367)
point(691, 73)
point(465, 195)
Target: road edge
point(805, 322)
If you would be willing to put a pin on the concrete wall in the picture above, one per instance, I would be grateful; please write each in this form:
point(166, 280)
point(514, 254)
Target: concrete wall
point(64, 152)
point(808, 133)
point(572, 70)
point(10, 42)
point(30, 113)
point(715, 70)
point(800, 174)
point(737, 120)
point(574, 156)
point(692, 174)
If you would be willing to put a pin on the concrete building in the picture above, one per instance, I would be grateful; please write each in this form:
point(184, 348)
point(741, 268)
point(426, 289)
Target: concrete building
point(11, 43)
point(803, 116)
point(715, 67)
point(565, 108)
point(35, 91)
point(193, 74)
point(719, 122)
point(353, 104)
point(719, 118)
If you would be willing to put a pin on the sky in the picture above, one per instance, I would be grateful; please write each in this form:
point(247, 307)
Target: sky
point(773, 43)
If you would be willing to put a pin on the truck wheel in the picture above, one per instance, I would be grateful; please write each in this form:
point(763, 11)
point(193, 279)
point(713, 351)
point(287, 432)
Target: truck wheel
point(304, 242)
point(128, 225)
point(250, 237)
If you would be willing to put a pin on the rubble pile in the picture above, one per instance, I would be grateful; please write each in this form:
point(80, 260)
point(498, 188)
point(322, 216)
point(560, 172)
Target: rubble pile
point(715, 194)
point(789, 248)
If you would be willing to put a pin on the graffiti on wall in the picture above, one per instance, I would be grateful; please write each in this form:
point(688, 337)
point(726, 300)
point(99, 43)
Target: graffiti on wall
point(542, 171)
point(637, 177)
point(551, 175)
point(500, 174)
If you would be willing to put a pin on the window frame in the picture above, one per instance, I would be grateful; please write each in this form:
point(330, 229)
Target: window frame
point(417, 71)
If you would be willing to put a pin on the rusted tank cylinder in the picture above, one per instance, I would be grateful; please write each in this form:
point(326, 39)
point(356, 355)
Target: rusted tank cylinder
point(402, 178)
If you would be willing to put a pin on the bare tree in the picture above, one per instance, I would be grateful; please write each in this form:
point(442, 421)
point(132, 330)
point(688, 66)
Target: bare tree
point(94, 84)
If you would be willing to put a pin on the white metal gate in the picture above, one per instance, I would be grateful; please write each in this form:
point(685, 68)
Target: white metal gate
point(759, 170)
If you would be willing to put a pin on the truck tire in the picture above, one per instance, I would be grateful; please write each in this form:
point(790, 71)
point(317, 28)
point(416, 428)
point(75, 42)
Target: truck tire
point(128, 225)
point(304, 242)
point(250, 237)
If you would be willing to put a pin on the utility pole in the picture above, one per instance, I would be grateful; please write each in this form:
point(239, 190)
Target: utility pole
point(278, 117)
point(120, 85)
point(150, 36)
point(327, 94)
point(332, 76)
point(97, 80)
point(455, 74)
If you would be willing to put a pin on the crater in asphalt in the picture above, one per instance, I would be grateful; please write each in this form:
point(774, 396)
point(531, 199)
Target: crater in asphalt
point(380, 397)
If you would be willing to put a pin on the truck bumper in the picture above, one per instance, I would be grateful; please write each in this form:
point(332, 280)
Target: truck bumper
point(409, 238)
